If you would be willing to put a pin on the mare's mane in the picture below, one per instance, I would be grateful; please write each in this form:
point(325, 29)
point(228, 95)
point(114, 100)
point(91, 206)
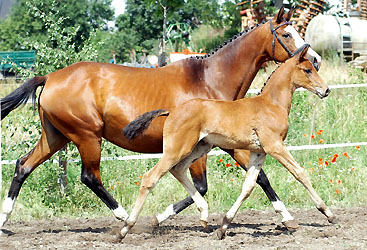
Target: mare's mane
point(230, 40)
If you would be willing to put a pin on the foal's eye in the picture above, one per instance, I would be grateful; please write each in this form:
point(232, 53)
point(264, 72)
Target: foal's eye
point(307, 71)
point(286, 35)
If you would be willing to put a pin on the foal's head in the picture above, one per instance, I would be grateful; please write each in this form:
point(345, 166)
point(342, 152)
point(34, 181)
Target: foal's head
point(283, 41)
point(306, 76)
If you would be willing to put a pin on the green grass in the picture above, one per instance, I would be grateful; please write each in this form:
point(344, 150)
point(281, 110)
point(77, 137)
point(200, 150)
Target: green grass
point(341, 116)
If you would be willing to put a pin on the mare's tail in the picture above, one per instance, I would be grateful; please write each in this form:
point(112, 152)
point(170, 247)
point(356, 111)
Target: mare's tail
point(138, 126)
point(21, 95)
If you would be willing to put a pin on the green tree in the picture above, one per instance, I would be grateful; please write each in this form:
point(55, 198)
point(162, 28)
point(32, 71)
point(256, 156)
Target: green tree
point(22, 25)
point(61, 45)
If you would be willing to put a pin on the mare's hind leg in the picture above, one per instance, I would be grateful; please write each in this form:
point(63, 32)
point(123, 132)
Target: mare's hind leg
point(198, 175)
point(51, 141)
point(243, 158)
point(90, 151)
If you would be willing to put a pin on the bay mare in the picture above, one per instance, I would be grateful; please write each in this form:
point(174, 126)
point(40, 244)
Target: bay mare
point(87, 101)
point(193, 128)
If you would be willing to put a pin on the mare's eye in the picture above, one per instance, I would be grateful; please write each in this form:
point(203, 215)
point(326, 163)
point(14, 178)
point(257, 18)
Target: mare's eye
point(286, 35)
point(307, 71)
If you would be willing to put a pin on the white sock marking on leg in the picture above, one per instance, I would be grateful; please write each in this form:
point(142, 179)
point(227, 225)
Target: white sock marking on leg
point(120, 213)
point(279, 207)
point(166, 214)
point(7, 208)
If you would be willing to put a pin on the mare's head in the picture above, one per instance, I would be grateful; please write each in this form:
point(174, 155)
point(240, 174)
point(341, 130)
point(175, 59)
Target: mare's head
point(283, 41)
point(305, 75)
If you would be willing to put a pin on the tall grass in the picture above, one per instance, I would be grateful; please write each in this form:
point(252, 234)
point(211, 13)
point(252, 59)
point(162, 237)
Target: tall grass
point(340, 181)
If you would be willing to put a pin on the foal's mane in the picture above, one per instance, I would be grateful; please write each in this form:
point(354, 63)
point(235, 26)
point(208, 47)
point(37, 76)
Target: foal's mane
point(280, 64)
point(230, 40)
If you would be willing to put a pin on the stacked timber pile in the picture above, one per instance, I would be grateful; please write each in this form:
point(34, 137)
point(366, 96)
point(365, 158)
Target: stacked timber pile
point(252, 12)
point(307, 10)
point(364, 9)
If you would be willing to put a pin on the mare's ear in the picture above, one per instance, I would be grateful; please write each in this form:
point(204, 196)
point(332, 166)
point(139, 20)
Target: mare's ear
point(289, 14)
point(280, 15)
point(302, 54)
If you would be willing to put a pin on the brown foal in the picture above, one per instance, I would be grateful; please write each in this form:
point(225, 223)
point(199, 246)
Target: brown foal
point(258, 124)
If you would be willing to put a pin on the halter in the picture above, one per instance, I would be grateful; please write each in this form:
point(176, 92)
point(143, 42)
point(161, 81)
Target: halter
point(275, 35)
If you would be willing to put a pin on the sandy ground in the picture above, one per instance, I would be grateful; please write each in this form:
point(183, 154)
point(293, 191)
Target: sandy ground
point(250, 230)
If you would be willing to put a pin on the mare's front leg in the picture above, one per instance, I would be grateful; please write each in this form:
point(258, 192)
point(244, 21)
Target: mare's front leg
point(242, 157)
point(256, 161)
point(279, 151)
point(198, 175)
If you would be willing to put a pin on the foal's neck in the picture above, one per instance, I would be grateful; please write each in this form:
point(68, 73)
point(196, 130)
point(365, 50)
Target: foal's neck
point(232, 68)
point(279, 88)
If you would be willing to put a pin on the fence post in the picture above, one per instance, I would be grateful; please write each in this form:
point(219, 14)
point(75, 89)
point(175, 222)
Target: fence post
point(62, 172)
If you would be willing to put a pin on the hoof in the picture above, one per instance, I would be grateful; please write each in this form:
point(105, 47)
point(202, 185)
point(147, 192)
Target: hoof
point(155, 223)
point(219, 234)
point(204, 224)
point(290, 225)
point(333, 220)
point(118, 238)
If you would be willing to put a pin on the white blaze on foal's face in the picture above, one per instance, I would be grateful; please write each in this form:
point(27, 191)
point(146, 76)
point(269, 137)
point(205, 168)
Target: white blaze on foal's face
point(299, 42)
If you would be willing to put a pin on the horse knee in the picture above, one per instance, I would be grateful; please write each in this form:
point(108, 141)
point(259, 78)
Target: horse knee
point(201, 187)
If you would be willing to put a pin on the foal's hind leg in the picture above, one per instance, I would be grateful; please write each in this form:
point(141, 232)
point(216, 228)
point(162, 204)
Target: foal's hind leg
point(198, 175)
point(256, 161)
point(243, 157)
point(51, 141)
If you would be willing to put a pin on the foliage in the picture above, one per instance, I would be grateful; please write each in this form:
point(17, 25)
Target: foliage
point(22, 25)
point(60, 46)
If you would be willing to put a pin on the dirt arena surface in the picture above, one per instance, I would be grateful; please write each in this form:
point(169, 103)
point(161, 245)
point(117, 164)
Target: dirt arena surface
point(250, 230)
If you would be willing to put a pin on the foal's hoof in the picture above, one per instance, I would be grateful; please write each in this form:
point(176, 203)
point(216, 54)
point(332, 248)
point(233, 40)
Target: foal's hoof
point(204, 224)
point(333, 220)
point(118, 238)
point(290, 225)
point(219, 234)
point(155, 223)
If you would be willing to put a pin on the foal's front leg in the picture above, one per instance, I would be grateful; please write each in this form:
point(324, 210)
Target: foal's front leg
point(279, 151)
point(256, 161)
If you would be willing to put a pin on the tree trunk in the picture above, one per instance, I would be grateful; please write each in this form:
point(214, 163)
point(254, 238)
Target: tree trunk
point(162, 44)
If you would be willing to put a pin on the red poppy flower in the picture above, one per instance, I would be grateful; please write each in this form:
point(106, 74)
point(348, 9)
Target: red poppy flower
point(221, 160)
point(312, 137)
point(333, 160)
point(326, 163)
point(345, 154)
point(358, 147)
point(337, 191)
point(322, 141)
point(228, 165)
point(320, 161)
point(339, 182)
point(236, 163)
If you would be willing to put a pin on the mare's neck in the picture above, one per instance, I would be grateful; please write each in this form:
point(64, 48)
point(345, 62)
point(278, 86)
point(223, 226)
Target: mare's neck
point(231, 70)
point(279, 88)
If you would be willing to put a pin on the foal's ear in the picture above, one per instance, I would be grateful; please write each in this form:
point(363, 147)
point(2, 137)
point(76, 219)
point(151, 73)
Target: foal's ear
point(302, 54)
point(289, 14)
point(280, 15)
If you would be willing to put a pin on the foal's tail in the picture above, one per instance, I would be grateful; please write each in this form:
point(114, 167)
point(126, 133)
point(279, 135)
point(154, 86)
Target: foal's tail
point(138, 126)
point(21, 95)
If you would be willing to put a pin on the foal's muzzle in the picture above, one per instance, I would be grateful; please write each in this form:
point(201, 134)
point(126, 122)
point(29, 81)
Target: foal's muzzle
point(327, 92)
